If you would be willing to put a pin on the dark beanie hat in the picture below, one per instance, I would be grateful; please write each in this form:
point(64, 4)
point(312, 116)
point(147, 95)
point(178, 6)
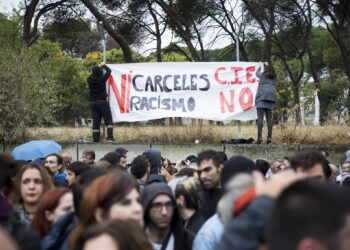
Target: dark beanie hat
point(97, 71)
point(121, 150)
point(236, 165)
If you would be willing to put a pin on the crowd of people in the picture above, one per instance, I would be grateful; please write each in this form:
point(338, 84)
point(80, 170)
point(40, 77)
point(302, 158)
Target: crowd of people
point(203, 202)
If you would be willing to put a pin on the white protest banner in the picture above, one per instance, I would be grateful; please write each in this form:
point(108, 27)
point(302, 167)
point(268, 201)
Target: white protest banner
point(218, 91)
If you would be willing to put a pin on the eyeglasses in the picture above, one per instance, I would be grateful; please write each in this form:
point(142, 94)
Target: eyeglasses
point(159, 206)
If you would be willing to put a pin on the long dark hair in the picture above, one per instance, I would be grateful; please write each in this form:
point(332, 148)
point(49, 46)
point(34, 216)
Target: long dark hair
point(102, 192)
point(269, 71)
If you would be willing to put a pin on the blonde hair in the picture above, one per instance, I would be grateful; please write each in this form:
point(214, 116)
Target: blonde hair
point(190, 190)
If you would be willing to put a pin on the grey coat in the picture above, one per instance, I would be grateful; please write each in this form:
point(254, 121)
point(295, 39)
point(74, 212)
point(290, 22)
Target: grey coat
point(266, 90)
point(246, 231)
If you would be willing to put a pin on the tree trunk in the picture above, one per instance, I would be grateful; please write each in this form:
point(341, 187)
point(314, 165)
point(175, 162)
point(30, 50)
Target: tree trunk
point(268, 45)
point(297, 103)
point(321, 98)
point(27, 21)
point(182, 27)
point(199, 41)
point(158, 34)
point(117, 37)
point(270, 20)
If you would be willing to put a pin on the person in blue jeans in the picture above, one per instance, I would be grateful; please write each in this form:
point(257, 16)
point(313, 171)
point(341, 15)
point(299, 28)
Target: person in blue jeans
point(265, 98)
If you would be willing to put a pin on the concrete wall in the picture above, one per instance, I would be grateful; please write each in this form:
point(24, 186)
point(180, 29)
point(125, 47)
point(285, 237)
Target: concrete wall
point(180, 151)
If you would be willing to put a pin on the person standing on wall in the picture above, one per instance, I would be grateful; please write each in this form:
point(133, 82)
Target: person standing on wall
point(265, 98)
point(99, 105)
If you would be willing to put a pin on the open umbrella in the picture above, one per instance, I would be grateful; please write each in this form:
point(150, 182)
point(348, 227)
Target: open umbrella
point(35, 149)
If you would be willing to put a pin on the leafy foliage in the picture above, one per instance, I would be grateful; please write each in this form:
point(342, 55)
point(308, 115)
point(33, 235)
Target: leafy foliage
point(68, 33)
point(10, 29)
point(27, 94)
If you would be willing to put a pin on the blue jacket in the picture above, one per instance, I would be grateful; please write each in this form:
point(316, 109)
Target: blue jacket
point(209, 235)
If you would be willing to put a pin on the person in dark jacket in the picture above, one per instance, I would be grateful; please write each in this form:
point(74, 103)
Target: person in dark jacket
point(162, 220)
point(25, 237)
point(246, 231)
point(155, 159)
point(300, 217)
point(235, 179)
point(58, 238)
point(265, 98)
point(210, 165)
point(140, 169)
point(187, 194)
point(99, 105)
point(74, 170)
point(154, 178)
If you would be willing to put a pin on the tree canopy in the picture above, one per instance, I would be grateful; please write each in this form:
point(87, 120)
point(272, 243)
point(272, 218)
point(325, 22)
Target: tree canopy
point(51, 46)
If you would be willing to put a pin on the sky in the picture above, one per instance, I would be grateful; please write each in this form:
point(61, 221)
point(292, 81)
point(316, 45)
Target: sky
point(6, 6)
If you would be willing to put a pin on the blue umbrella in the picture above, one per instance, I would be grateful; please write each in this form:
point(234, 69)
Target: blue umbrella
point(35, 149)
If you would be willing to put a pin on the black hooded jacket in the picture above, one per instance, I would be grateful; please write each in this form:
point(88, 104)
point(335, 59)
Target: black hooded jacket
point(155, 159)
point(25, 237)
point(183, 237)
point(97, 83)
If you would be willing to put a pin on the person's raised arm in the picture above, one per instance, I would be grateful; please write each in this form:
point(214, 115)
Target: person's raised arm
point(107, 73)
point(258, 71)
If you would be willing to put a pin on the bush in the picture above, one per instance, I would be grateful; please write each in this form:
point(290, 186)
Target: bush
point(26, 95)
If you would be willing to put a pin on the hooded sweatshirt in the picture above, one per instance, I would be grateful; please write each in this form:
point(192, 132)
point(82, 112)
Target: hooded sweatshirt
point(183, 237)
point(155, 159)
point(347, 155)
point(97, 83)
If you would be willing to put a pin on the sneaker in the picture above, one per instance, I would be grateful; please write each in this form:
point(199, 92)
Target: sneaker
point(257, 142)
point(110, 140)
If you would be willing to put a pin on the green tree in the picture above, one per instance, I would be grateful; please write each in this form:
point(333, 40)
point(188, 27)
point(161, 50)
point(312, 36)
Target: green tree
point(336, 16)
point(285, 104)
point(26, 95)
point(113, 56)
point(73, 91)
point(10, 29)
point(69, 76)
point(334, 91)
point(68, 33)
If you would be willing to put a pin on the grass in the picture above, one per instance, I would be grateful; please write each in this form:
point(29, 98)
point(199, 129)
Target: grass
point(211, 134)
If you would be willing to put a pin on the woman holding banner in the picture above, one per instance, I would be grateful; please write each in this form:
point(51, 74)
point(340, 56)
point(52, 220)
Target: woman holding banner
point(265, 98)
